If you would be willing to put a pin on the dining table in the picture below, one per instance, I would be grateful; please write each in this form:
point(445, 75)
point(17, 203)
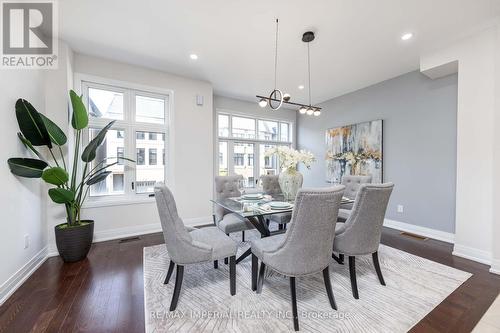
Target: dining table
point(257, 209)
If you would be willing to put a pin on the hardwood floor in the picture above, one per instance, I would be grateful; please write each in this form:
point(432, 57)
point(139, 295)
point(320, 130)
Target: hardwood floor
point(104, 293)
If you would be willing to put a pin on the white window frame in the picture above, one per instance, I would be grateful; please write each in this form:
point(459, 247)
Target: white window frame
point(130, 127)
point(231, 140)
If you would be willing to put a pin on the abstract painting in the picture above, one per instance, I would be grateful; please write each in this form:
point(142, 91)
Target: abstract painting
point(354, 150)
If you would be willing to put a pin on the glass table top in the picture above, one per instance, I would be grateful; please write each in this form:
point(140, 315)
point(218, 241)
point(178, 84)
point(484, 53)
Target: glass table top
point(257, 207)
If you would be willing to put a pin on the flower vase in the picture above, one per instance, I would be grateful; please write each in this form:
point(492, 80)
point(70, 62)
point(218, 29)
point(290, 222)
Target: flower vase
point(290, 181)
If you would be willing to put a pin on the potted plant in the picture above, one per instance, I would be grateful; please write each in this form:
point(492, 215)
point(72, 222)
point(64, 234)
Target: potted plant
point(70, 183)
point(290, 179)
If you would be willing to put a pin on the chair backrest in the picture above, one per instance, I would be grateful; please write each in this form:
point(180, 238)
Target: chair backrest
point(177, 239)
point(352, 184)
point(225, 187)
point(307, 245)
point(363, 228)
point(270, 184)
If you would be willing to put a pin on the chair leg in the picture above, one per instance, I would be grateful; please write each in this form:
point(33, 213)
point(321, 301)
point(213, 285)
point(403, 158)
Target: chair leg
point(243, 236)
point(339, 259)
point(214, 218)
point(280, 226)
point(294, 304)
point(377, 268)
point(177, 290)
point(328, 286)
point(260, 281)
point(284, 226)
point(232, 275)
point(352, 272)
point(216, 264)
point(169, 273)
point(255, 268)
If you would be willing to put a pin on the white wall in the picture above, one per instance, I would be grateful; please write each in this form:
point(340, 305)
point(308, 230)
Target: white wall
point(21, 206)
point(191, 144)
point(477, 139)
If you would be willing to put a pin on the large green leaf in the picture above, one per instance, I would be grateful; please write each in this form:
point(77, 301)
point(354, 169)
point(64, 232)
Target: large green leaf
point(98, 178)
point(28, 145)
point(55, 176)
point(26, 167)
point(56, 134)
point(61, 195)
point(31, 124)
point(80, 118)
point(89, 152)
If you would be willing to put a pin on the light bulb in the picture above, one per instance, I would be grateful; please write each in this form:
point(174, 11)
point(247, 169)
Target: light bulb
point(317, 113)
point(302, 110)
point(263, 103)
point(286, 97)
point(310, 111)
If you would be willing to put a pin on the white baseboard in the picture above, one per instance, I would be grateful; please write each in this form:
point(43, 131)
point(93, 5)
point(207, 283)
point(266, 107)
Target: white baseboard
point(467, 252)
point(495, 266)
point(19, 277)
point(422, 231)
point(118, 233)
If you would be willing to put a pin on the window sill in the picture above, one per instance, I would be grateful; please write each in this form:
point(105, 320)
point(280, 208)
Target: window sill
point(105, 202)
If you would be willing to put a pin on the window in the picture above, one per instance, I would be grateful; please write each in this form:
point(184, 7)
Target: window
point(141, 121)
point(243, 127)
point(141, 156)
point(120, 153)
point(152, 156)
point(223, 166)
point(243, 142)
point(106, 154)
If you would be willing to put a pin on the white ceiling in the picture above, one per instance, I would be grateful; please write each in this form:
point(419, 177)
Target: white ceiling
point(357, 41)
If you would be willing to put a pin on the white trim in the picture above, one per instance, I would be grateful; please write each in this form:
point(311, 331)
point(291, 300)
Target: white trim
point(422, 231)
point(118, 233)
point(119, 201)
point(467, 252)
point(19, 277)
point(495, 266)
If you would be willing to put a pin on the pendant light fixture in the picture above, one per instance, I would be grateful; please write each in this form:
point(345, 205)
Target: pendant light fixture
point(277, 98)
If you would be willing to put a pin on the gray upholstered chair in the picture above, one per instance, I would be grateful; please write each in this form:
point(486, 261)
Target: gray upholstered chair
point(306, 247)
point(360, 234)
point(352, 184)
point(227, 187)
point(271, 186)
point(190, 246)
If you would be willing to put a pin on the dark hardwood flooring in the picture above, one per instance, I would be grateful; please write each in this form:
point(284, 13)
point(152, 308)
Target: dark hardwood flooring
point(104, 293)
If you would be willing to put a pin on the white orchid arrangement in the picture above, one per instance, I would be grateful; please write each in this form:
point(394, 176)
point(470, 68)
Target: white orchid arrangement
point(289, 157)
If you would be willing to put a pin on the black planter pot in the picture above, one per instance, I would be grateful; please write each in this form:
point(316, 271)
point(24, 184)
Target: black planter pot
point(73, 243)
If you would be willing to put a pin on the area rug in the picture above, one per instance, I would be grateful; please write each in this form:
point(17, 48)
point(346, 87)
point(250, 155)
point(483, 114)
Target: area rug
point(414, 287)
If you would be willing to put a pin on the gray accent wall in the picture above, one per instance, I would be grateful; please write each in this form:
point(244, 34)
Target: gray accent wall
point(420, 131)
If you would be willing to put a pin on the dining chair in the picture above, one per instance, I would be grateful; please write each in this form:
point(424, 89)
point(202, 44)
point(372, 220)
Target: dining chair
point(352, 184)
point(271, 186)
point(360, 234)
point(191, 246)
point(305, 248)
point(227, 187)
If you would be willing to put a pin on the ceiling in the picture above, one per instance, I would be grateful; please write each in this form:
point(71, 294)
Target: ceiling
point(357, 41)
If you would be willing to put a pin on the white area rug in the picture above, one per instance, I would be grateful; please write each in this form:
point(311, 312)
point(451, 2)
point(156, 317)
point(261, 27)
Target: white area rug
point(414, 287)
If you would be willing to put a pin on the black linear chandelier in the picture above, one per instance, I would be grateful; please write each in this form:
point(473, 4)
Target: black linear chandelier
point(277, 98)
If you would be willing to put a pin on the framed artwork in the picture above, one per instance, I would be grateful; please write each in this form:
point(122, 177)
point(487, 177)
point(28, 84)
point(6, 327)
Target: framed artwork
point(354, 150)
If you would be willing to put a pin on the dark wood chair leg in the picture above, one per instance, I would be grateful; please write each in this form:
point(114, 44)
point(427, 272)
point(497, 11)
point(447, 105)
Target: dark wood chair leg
point(352, 272)
point(243, 236)
point(294, 304)
point(284, 226)
point(260, 281)
point(225, 259)
point(339, 259)
point(216, 264)
point(177, 290)
point(328, 286)
point(280, 226)
point(255, 268)
point(377, 268)
point(169, 273)
point(214, 218)
point(232, 275)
